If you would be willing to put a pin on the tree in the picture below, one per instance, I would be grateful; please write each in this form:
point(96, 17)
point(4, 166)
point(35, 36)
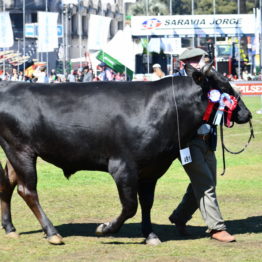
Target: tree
point(155, 7)
point(201, 7)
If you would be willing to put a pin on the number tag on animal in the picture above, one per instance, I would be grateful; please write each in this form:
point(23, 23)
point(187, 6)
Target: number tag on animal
point(185, 156)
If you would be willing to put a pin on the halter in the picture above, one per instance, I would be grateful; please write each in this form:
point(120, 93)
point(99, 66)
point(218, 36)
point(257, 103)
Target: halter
point(227, 103)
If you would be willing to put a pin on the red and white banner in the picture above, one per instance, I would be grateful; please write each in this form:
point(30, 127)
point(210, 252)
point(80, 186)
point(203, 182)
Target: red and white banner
point(248, 87)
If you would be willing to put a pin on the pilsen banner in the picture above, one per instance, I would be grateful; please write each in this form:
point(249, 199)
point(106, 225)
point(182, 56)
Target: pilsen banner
point(248, 87)
point(191, 25)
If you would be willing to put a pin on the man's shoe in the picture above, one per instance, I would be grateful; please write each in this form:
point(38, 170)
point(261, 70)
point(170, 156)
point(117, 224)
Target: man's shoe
point(222, 236)
point(181, 228)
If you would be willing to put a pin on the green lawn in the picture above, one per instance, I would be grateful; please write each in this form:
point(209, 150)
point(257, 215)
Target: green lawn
point(76, 206)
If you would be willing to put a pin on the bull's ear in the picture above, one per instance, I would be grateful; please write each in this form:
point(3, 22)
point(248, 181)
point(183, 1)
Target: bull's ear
point(189, 69)
point(198, 77)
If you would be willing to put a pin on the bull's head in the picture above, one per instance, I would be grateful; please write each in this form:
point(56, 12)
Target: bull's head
point(208, 78)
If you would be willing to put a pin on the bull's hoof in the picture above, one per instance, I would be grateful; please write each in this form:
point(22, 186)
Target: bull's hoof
point(55, 240)
point(12, 235)
point(152, 240)
point(101, 229)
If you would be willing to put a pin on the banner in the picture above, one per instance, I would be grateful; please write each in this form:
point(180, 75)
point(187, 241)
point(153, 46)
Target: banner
point(47, 31)
point(6, 31)
point(248, 87)
point(258, 32)
point(119, 53)
point(191, 25)
point(98, 31)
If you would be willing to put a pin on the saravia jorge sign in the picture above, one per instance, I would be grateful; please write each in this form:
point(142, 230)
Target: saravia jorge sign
point(190, 25)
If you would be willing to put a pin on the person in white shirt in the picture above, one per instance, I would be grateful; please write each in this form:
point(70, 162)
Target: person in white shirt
point(157, 72)
point(40, 74)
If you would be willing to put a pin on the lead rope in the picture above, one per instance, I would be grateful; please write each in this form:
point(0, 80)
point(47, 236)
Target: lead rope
point(177, 117)
point(235, 153)
point(223, 149)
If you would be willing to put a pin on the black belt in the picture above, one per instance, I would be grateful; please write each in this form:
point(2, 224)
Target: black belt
point(204, 137)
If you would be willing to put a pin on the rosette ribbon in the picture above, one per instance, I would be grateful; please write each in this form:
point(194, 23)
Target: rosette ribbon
point(213, 98)
point(230, 107)
point(223, 98)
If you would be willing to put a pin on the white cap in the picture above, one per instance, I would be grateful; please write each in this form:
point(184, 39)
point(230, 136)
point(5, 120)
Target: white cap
point(156, 65)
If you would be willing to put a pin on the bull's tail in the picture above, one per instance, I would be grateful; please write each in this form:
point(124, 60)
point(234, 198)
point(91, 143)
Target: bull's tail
point(8, 178)
point(2, 177)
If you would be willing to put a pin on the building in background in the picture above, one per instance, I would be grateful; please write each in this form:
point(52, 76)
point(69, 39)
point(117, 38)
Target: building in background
point(73, 21)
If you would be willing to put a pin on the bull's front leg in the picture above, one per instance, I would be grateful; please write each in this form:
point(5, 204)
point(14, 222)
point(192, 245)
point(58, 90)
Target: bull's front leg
point(125, 176)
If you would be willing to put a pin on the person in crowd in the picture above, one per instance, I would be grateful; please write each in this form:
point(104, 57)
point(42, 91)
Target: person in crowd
point(106, 74)
point(72, 76)
point(53, 76)
point(157, 72)
point(87, 74)
point(21, 76)
point(201, 192)
point(119, 76)
point(41, 75)
point(79, 75)
point(14, 76)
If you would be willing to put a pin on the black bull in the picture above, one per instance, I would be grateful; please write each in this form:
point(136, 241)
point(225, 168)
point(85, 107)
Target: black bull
point(128, 129)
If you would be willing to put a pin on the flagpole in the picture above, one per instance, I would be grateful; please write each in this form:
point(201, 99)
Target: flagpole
point(4, 47)
point(66, 36)
point(260, 9)
point(124, 23)
point(215, 36)
point(171, 54)
point(192, 12)
point(47, 69)
point(147, 40)
point(239, 38)
point(63, 39)
point(24, 35)
point(80, 30)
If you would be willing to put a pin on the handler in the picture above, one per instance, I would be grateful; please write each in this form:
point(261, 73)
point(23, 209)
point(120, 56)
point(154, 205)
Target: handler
point(201, 192)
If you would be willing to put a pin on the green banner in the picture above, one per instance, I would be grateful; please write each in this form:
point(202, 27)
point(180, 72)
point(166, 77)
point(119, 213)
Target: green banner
point(114, 64)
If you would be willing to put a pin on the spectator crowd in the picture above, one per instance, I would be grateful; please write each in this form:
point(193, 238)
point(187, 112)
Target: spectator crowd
point(102, 73)
point(85, 74)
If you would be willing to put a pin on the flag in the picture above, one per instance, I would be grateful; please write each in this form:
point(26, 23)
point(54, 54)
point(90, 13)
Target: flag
point(119, 53)
point(154, 45)
point(172, 45)
point(6, 31)
point(47, 31)
point(98, 31)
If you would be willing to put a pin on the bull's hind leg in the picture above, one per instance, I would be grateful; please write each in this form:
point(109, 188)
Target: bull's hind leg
point(125, 177)
point(25, 167)
point(146, 190)
point(8, 181)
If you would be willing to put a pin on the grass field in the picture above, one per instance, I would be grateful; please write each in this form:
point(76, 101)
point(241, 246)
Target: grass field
point(77, 206)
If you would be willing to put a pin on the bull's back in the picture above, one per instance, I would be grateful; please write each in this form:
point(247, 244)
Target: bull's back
point(78, 126)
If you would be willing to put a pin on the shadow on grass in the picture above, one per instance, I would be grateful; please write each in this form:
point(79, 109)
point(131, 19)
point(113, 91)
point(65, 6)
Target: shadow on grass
point(165, 232)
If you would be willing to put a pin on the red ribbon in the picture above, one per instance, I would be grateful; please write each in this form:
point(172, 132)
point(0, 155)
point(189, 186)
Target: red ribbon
point(231, 105)
point(209, 110)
